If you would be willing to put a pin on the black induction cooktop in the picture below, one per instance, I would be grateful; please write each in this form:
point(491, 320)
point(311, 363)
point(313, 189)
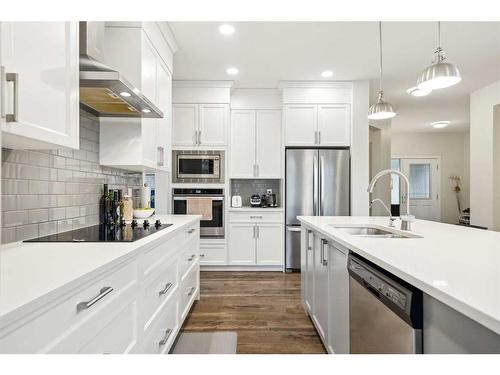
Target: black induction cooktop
point(99, 233)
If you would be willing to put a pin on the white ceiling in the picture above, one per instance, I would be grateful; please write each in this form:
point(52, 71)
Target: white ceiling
point(268, 52)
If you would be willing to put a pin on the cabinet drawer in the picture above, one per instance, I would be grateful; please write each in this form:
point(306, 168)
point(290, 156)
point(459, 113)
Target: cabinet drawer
point(163, 331)
point(213, 255)
point(246, 216)
point(189, 290)
point(118, 337)
point(189, 256)
point(157, 291)
point(60, 327)
point(153, 258)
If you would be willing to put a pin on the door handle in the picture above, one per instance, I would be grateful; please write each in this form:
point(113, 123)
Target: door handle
point(315, 185)
point(164, 340)
point(321, 172)
point(324, 261)
point(14, 78)
point(166, 289)
point(88, 304)
point(258, 231)
point(319, 137)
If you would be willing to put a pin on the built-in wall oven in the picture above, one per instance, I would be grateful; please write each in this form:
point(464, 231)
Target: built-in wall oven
point(213, 228)
point(198, 166)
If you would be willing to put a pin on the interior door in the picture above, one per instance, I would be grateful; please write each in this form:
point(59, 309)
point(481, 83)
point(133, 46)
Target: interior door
point(242, 144)
point(185, 124)
point(424, 177)
point(42, 59)
point(268, 144)
point(213, 124)
point(301, 125)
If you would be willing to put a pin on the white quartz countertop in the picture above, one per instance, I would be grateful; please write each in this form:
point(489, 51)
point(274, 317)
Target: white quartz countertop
point(456, 265)
point(32, 272)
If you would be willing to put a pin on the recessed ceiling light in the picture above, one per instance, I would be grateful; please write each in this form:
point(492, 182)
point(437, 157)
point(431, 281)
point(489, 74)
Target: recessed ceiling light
point(440, 124)
point(125, 94)
point(415, 91)
point(146, 110)
point(232, 71)
point(226, 29)
point(327, 74)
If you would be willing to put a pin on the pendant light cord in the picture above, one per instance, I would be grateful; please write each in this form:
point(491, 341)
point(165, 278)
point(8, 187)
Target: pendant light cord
point(380, 46)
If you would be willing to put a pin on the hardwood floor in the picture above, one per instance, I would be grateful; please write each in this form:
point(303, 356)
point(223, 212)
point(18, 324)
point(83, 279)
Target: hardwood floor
point(264, 308)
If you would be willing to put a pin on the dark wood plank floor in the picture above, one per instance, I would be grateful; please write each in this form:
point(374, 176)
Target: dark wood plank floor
point(262, 307)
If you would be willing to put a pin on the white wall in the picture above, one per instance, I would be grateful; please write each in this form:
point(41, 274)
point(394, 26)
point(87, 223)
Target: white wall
point(451, 147)
point(482, 103)
point(496, 169)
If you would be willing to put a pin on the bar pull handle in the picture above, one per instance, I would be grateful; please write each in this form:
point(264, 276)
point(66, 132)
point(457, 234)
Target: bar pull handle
point(191, 291)
point(88, 304)
point(14, 78)
point(308, 240)
point(166, 289)
point(254, 231)
point(191, 230)
point(160, 156)
point(319, 137)
point(258, 231)
point(324, 261)
point(190, 259)
point(199, 137)
point(165, 338)
point(256, 217)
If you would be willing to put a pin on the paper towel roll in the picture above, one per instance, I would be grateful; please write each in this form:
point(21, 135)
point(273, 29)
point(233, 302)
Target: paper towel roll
point(146, 196)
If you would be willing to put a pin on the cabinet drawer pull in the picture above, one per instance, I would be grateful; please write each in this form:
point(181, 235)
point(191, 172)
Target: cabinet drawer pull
point(166, 289)
point(309, 232)
point(190, 259)
point(199, 137)
point(164, 340)
point(191, 291)
point(102, 293)
point(14, 78)
point(191, 230)
point(256, 217)
point(324, 261)
point(202, 255)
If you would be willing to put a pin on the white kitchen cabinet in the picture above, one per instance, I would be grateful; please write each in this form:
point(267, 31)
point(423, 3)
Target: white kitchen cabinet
point(269, 244)
point(256, 238)
point(242, 159)
point(320, 306)
point(242, 244)
point(300, 125)
point(200, 124)
point(309, 271)
point(317, 125)
point(40, 75)
point(338, 300)
point(255, 144)
point(185, 124)
point(147, 141)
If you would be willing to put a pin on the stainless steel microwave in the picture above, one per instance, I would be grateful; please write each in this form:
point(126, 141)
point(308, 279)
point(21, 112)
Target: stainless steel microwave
point(198, 166)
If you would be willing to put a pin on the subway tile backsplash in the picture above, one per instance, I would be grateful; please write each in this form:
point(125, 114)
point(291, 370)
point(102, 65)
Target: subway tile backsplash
point(52, 191)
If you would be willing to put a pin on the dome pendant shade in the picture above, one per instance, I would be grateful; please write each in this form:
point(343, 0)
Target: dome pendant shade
point(438, 76)
point(381, 110)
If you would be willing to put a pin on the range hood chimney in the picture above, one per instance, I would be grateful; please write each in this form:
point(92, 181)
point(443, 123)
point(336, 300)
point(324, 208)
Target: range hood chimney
point(103, 90)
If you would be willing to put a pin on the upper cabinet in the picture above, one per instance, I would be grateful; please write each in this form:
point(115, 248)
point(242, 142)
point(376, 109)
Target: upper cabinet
point(326, 125)
point(200, 124)
point(138, 143)
point(255, 148)
point(39, 82)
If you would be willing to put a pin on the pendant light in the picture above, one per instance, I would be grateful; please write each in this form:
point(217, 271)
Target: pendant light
point(381, 110)
point(439, 74)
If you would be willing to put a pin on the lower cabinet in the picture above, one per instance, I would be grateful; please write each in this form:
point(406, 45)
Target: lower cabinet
point(256, 244)
point(136, 307)
point(325, 285)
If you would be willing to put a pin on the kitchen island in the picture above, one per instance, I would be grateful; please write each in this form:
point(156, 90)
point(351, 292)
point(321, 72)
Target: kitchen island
point(456, 268)
point(76, 297)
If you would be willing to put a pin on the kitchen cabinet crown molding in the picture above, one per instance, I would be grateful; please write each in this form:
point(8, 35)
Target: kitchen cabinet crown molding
point(201, 84)
point(315, 84)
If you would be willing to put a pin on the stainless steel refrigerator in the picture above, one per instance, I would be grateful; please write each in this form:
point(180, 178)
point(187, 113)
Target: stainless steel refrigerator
point(317, 184)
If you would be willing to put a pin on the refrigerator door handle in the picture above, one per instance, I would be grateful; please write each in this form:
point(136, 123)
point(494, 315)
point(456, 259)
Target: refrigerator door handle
point(321, 187)
point(315, 186)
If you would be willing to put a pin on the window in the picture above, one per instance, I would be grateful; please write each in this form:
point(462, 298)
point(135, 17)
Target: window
point(420, 181)
point(395, 166)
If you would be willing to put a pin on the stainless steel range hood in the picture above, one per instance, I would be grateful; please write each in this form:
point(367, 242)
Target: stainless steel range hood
point(103, 90)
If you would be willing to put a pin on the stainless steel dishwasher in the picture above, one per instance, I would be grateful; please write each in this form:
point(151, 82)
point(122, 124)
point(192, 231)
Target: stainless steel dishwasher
point(385, 311)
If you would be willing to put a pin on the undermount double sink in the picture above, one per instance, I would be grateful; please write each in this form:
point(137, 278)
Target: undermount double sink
point(372, 231)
